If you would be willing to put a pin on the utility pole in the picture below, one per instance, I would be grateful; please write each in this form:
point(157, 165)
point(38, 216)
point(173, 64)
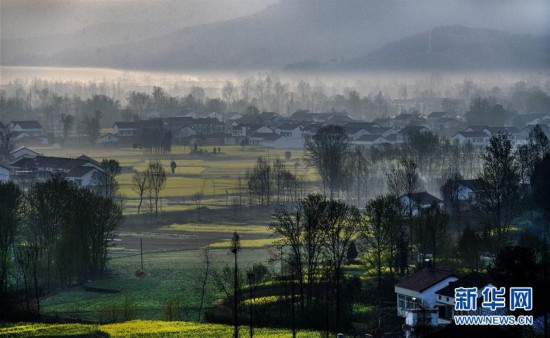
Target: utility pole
point(141, 251)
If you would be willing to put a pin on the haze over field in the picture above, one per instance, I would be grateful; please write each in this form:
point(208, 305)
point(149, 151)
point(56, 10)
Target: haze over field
point(290, 167)
point(269, 34)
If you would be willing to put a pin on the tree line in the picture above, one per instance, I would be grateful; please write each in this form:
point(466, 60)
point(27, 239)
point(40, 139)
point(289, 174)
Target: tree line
point(54, 235)
point(320, 235)
point(148, 184)
point(271, 182)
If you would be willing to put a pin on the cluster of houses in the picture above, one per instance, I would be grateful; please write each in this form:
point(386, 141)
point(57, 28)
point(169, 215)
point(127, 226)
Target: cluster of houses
point(271, 130)
point(25, 166)
point(26, 132)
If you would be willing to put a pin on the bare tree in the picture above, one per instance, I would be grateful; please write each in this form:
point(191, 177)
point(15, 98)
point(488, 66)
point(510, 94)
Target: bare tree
point(11, 198)
point(433, 230)
point(104, 180)
point(359, 172)
point(383, 213)
point(197, 198)
point(499, 194)
point(255, 275)
point(314, 209)
point(140, 185)
point(228, 93)
point(68, 121)
point(450, 192)
point(289, 225)
point(327, 151)
point(46, 203)
point(246, 87)
point(260, 182)
point(6, 142)
point(207, 262)
point(234, 249)
point(156, 177)
point(138, 103)
point(92, 127)
point(340, 227)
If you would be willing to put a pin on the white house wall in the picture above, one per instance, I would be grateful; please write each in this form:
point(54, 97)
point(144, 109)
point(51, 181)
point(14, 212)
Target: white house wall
point(87, 178)
point(4, 174)
point(428, 295)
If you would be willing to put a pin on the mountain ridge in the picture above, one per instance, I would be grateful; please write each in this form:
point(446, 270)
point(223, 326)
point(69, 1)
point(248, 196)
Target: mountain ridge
point(459, 48)
point(295, 34)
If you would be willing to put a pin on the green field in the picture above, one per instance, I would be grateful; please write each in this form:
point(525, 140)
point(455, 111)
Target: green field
point(141, 328)
point(172, 241)
point(216, 175)
point(170, 276)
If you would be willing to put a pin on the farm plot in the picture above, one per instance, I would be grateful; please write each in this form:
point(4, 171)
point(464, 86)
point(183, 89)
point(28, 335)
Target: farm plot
point(172, 241)
point(216, 176)
point(168, 276)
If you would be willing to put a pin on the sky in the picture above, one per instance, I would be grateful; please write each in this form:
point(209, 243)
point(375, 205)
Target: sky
point(33, 18)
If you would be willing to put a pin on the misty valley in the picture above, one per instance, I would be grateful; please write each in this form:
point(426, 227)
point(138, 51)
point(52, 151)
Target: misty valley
point(274, 168)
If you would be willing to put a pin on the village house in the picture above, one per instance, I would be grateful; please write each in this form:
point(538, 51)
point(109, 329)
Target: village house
point(174, 123)
point(109, 139)
point(419, 290)
point(445, 124)
point(370, 140)
point(31, 128)
point(468, 190)
point(293, 130)
point(479, 139)
point(541, 119)
point(185, 135)
point(445, 297)
point(125, 129)
point(420, 200)
point(404, 134)
point(207, 126)
point(263, 139)
point(22, 152)
point(403, 120)
point(436, 115)
point(355, 131)
point(5, 172)
point(80, 170)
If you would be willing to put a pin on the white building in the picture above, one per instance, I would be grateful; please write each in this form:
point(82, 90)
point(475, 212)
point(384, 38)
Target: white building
point(125, 129)
point(445, 297)
point(5, 172)
point(370, 140)
point(79, 170)
point(31, 128)
point(419, 289)
point(109, 139)
point(420, 200)
point(23, 152)
point(478, 139)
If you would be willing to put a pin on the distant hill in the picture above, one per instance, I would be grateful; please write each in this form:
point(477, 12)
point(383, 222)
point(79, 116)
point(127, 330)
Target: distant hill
point(460, 48)
point(290, 34)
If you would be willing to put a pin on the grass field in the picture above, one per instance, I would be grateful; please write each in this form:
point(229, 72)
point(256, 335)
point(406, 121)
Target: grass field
point(171, 241)
point(140, 328)
point(171, 276)
point(215, 175)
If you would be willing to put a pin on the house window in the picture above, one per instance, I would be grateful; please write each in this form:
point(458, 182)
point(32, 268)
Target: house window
point(447, 298)
point(405, 302)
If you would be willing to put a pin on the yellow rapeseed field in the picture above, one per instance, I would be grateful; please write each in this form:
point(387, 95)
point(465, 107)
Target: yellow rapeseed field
point(143, 328)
